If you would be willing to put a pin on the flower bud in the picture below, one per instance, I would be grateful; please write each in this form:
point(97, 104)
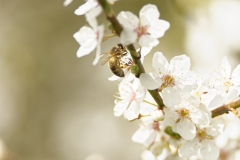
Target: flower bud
point(134, 69)
point(157, 115)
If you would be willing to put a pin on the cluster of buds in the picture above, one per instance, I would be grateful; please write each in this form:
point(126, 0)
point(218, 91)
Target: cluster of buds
point(177, 108)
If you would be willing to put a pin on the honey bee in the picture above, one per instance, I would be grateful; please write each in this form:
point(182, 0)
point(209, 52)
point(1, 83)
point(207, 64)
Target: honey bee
point(115, 59)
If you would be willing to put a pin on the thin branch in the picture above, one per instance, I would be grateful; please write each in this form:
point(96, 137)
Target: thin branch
point(135, 55)
point(225, 108)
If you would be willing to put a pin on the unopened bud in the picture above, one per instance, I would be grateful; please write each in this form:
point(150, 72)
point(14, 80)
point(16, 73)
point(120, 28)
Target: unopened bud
point(134, 69)
point(157, 115)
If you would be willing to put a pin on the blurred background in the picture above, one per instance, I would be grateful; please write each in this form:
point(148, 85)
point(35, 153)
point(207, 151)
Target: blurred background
point(54, 106)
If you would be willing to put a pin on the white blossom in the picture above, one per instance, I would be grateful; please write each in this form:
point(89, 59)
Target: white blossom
point(184, 117)
point(131, 97)
point(169, 78)
point(89, 39)
point(145, 29)
point(204, 143)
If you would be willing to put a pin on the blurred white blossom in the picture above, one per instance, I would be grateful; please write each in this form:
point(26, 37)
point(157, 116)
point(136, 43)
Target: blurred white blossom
point(67, 2)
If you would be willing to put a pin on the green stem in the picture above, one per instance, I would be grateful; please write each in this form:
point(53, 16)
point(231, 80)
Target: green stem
point(135, 55)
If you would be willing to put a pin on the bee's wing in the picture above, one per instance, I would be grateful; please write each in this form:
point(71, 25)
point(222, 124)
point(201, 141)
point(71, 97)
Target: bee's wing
point(102, 55)
point(105, 60)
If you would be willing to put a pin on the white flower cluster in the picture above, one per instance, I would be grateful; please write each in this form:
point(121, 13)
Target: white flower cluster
point(184, 128)
point(188, 101)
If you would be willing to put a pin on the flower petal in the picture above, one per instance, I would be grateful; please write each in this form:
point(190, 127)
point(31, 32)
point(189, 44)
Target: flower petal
point(86, 7)
point(170, 96)
point(146, 109)
point(189, 148)
point(217, 101)
point(147, 155)
point(144, 136)
point(148, 41)
point(133, 110)
point(158, 28)
point(67, 2)
point(150, 80)
point(225, 68)
point(160, 63)
point(209, 150)
point(219, 124)
point(98, 52)
point(186, 129)
point(113, 78)
point(93, 13)
point(85, 36)
point(128, 36)
point(149, 11)
point(232, 95)
point(179, 65)
point(128, 20)
point(145, 51)
point(125, 90)
point(236, 75)
point(82, 51)
point(120, 107)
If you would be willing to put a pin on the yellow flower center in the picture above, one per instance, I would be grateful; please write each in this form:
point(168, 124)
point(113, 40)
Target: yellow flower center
point(183, 114)
point(202, 135)
point(168, 81)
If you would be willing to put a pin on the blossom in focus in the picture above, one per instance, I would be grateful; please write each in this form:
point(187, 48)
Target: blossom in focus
point(204, 143)
point(130, 100)
point(184, 117)
point(170, 78)
point(146, 29)
point(89, 39)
